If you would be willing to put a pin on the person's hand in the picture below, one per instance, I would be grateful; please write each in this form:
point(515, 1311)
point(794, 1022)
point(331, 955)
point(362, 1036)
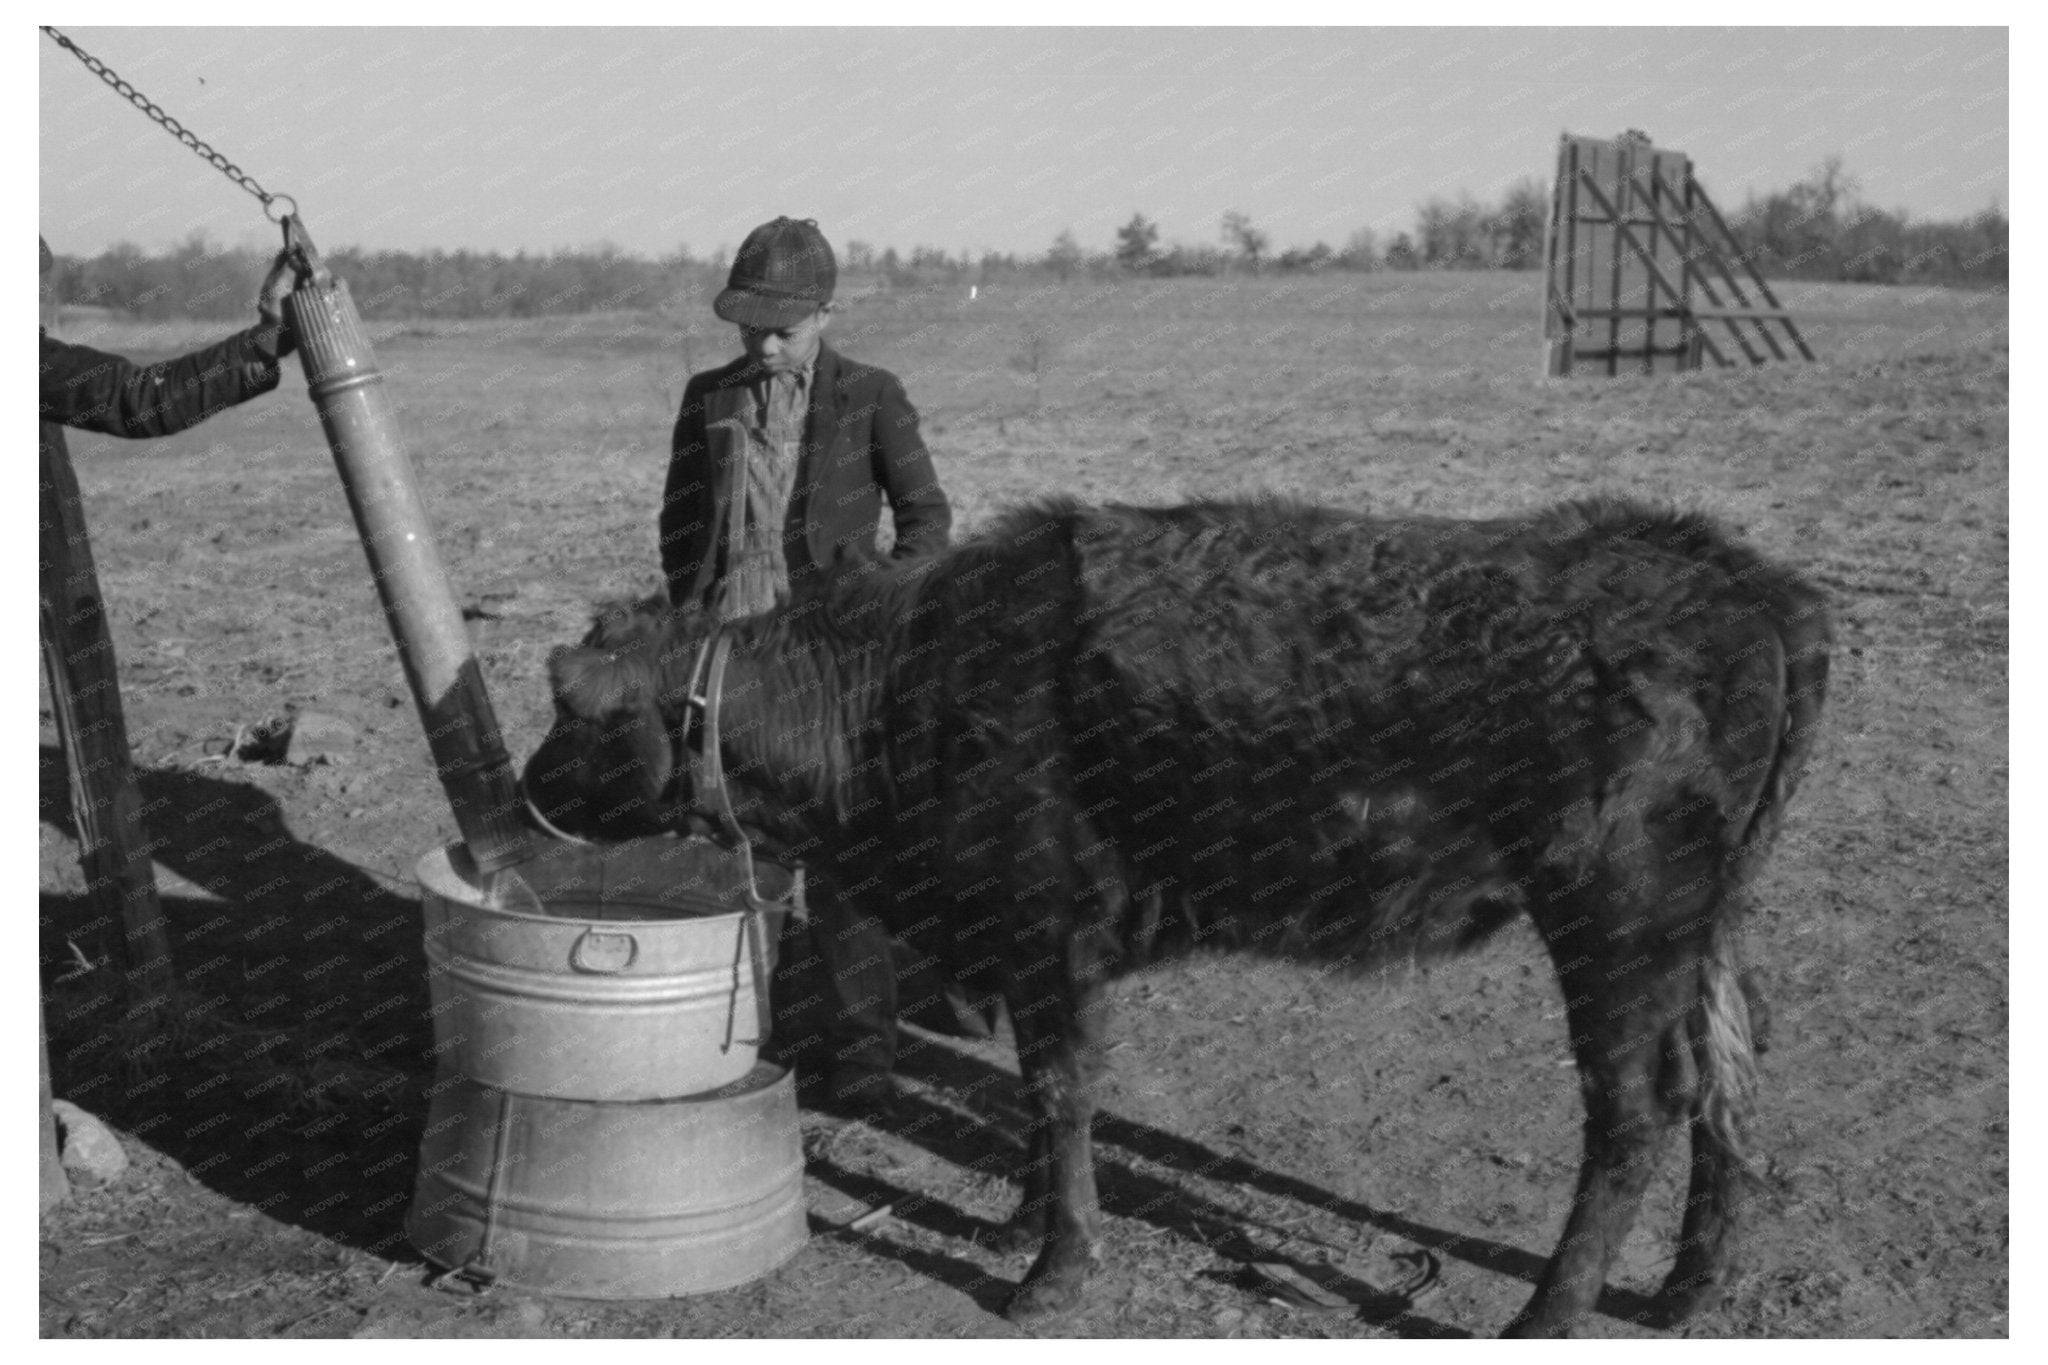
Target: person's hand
point(277, 287)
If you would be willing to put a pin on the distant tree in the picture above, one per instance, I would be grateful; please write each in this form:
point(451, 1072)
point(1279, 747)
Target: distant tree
point(1792, 231)
point(1361, 250)
point(1064, 257)
point(1135, 241)
point(1871, 245)
point(1516, 231)
point(860, 256)
point(1450, 233)
point(1401, 253)
point(1296, 259)
point(1239, 232)
point(1191, 260)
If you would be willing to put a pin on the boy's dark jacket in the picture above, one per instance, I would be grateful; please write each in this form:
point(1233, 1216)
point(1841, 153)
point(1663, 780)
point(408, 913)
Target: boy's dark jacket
point(860, 444)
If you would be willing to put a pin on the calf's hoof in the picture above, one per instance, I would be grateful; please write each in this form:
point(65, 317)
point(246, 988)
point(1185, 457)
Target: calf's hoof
point(1018, 1236)
point(1528, 1326)
point(1683, 1295)
point(1044, 1299)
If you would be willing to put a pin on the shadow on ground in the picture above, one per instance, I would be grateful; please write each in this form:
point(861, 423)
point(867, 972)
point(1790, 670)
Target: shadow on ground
point(286, 1072)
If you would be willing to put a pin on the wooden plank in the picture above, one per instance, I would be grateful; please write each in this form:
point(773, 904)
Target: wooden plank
point(1720, 263)
point(1562, 248)
point(1684, 295)
point(1695, 347)
point(1642, 220)
point(78, 656)
point(1674, 311)
point(1616, 229)
point(1677, 349)
point(1656, 271)
point(56, 1186)
point(1705, 247)
point(1761, 283)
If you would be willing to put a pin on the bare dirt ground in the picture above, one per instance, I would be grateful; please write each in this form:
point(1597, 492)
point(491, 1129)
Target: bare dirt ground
point(1252, 1114)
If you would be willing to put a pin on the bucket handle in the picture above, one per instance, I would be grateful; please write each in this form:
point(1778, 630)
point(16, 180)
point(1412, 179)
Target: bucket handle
point(748, 953)
point(477, 1276)
point(603, 952)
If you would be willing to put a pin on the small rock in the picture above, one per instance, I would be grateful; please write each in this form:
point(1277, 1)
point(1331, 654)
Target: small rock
point(92, 1154)
point(530, 1314)
point(317, 735)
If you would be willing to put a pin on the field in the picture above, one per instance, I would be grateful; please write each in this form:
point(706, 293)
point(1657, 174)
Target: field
point(273, 1135)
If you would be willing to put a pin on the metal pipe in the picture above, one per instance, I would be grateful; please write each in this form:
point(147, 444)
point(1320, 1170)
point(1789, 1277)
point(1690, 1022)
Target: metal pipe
point(433, 641)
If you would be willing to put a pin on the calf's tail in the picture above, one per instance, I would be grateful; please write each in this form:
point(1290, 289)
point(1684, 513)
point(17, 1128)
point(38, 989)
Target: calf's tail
point(1723, 1028)
point(1724, 1048)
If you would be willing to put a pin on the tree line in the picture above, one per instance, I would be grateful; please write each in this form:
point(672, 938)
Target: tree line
point(1815, 229)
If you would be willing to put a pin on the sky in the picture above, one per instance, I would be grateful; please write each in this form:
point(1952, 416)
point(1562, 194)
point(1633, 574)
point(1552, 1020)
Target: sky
point(968, 139)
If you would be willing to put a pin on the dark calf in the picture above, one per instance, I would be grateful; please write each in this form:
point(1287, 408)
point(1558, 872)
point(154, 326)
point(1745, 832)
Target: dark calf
point(1091, 738)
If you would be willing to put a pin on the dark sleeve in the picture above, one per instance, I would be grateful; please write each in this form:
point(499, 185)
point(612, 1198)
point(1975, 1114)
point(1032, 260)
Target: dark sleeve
point(687, 552)
point(99, 392)
point(904, 469)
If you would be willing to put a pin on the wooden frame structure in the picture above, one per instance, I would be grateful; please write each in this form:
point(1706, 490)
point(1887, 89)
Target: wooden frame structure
point(127, 927)
point(1632, 242)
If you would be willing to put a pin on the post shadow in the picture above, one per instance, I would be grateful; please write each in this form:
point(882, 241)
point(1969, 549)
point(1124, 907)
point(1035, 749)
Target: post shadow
point(287, 1073)
point(986, 1138)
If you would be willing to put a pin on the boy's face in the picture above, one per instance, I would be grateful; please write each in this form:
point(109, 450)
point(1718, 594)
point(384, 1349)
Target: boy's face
point(786, 350)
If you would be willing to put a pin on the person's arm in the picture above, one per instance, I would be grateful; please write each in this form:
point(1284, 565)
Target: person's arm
point(904, 469)
point(96, 391)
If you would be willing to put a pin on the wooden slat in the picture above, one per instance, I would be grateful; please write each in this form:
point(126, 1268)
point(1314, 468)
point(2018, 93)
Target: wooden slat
point(56, 1186)
point(1601, 352)
point(1706, 249)
point(1675, 311)
point(1763, 285)
point(106, 806)
point(1656, 271)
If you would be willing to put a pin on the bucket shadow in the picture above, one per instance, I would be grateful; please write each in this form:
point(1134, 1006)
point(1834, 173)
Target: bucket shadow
point(286, 1073)
point(983, 1135)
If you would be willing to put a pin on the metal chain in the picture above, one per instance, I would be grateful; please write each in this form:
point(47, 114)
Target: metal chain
point(170, 125)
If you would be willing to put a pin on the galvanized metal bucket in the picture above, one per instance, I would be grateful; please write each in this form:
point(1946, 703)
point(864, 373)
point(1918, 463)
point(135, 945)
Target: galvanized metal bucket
point(639, 973)
point(601, 1126)
point(611, 1201)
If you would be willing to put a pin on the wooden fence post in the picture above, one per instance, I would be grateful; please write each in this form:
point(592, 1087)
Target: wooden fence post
point(106, 805)
point(56, 1185)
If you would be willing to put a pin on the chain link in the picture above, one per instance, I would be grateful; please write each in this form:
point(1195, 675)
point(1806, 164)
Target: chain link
point(167, 123)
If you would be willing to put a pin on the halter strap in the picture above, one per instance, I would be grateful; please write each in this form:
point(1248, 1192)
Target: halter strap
point(706, 764)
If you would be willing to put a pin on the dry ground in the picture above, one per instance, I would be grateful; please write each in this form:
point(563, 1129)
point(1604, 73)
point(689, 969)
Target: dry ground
point(274, 1137)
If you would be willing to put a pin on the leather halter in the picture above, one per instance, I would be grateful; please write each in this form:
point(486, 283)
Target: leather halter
point(709, 793)
point(702, 694)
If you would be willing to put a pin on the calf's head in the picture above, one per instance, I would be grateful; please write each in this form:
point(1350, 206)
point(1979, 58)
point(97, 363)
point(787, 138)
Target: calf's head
point(607, 769)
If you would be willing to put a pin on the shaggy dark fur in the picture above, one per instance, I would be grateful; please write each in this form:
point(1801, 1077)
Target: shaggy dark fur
point(1093, 737)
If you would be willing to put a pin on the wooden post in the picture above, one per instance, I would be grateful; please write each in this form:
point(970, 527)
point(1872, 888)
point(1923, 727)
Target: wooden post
point(128, 922)
point(56, 1185)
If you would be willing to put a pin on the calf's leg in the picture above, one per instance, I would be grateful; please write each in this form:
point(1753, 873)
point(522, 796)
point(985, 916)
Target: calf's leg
point(1723, 1029)
point(1628, 1002)
point(1026, 1227)
point(1060, 1180)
